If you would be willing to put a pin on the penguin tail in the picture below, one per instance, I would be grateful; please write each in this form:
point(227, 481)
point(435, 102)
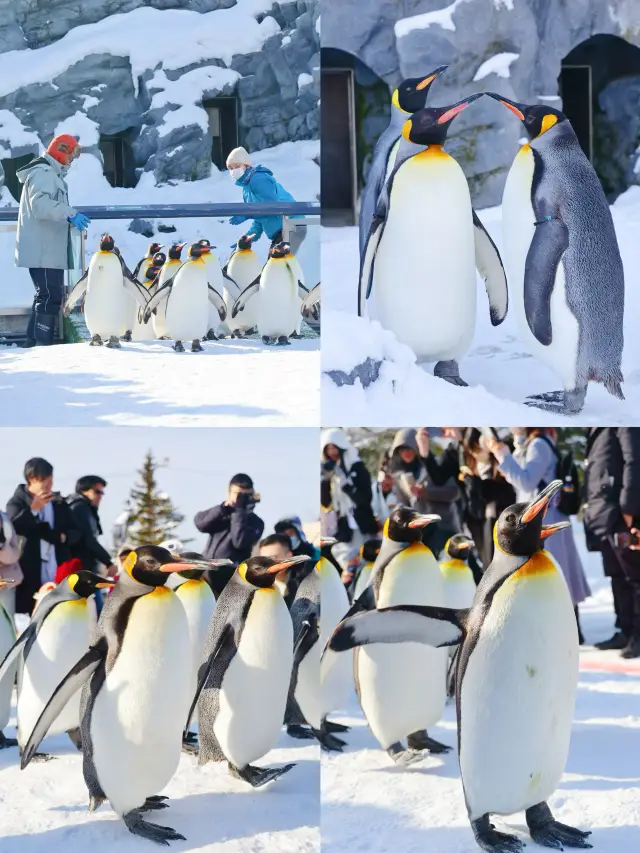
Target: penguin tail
point(613, 384)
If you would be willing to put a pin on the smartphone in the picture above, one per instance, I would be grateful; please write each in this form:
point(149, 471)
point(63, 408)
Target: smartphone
point(625, 540)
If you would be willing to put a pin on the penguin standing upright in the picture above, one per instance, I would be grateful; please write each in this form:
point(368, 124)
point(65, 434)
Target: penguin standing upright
point(56, 638)
point(368, 554)
point(410, 96)
point(109, 286)
point(148, 271)
point(305, 696)
point(136, 679)
point(565, 272)
point(7, 639)
point(187, 295)
point(459, 585)
point(168, 269)
point(140, 272)
point(418, 270)
point(245, 268)
point(245, 672)
point(516, 677)
point(219, 279)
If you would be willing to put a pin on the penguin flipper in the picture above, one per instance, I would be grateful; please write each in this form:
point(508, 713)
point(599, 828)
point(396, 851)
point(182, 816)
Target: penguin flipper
point(489, 265)
point(16, 648)
point(231, 283)
point(159, 296)
point(311, 303)
point(70, 684)
point(431, 626)
point(307, 637)
point(549, 243)
point(78, 289)
point(249, 291)
point(225, 640)
point(365, 283)
point(303, 291)
point(218, 303)
point(138, 292)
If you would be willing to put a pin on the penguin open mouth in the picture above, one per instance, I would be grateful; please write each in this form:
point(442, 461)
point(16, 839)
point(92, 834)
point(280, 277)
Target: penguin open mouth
point(550, 529)
point(541, 502)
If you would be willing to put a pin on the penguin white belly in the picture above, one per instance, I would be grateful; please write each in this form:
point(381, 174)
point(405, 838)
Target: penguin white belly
point(141, 708)
point(199, 604)
point(244, 268)
point(141, 331)
point(308, 693)
point(518, 692)
point(277, 304)
point(403, 687)
point(337, 669)
point(459, 587)
point(187, 317)
point(108, 307)
point(424, 274)
point(159, 320)
point(62, 640)
point(518, 230)
point(255, 685)
point(7, 639)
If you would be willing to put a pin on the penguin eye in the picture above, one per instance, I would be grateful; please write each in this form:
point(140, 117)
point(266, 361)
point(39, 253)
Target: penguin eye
point(511, 518)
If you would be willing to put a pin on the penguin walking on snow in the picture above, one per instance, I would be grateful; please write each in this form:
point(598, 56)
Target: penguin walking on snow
point(219, 279)
point(516, 677)
point(245, 268)
point(245, 672)
point(136, 680)
point(304, 704)
point(425, 213)
point(168, 269)
point(410, 97)
point(109, 286)
point(7, 639)
point(56, 638)
point(565, 270)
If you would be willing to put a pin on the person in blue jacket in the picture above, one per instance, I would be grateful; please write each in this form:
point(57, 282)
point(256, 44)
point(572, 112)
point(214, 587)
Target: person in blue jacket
point(258, 185)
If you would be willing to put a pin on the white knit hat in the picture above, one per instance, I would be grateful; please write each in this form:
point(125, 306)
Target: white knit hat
point(239, 155)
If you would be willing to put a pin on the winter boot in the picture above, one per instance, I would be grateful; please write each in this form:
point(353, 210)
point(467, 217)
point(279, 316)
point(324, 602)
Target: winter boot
point(632, 649)
point(31, 331)
point(615, 643)
point(45, 328)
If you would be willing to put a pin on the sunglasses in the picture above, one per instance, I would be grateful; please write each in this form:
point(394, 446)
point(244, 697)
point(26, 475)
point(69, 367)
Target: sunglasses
point(99, 491)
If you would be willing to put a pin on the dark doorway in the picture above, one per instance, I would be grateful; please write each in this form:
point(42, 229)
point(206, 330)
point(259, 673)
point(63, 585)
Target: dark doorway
point(337, 146)
point(577, 103)
point(11, 166)
point(117, 154)
point(223, 128)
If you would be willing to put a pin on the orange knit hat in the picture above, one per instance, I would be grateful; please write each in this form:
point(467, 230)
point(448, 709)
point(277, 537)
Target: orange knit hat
point(62, 146)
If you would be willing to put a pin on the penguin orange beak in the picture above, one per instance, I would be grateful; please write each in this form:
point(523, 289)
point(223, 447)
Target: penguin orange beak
point(550, 529)
point(456, 109)
point(541, 503)
point(423, 521)
point(465, 545)
point(429, 80)
point(286, 564)
point(185, 566)
point(106, 585)
point(510, 105)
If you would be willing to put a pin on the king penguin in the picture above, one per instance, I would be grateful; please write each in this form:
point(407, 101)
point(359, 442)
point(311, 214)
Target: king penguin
point(245, 268)
point(245, 672)
point(418, 270)
point(516, 677)
point(564, 265)
point(56, 638)
point(136, 680)
point(459, 585)
point(223, 283)
point(140, 272)
point(410, 97)
point(7, 639)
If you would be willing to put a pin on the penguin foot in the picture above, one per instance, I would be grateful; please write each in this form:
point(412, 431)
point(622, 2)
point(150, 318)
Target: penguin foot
point(211, 336)
point(95, 803)
point(114, 343)
point(450, 372)
point(422, 741)
point(96, 341)
point(126, 337)
point(300, 732)
point(404, 757)
point(136, 824)
point(76, 738)
point(328, 726)
point(560, 402)
point(551, 833)
point(41, 757)
point(489, 839)
point(196, 346)
point(154, 804)
point(296, 336)
point(283, 341)
point(6, 742)
point(178, 346)
point(266, 340)
point(258, 776)
point(329, 742)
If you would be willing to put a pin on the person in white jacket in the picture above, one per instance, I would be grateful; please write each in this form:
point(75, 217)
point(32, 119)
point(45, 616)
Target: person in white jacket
point(9, 565)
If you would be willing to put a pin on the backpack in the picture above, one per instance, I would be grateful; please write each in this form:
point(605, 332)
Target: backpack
point(570, 499)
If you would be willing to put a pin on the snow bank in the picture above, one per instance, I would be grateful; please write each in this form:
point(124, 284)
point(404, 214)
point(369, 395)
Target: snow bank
point(82, 127)
point(498, 64)
point(440, 17)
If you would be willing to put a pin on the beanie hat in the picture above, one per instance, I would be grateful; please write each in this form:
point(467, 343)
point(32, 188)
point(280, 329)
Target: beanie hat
point(61, 146)
point(239, 155)
point(67, 568)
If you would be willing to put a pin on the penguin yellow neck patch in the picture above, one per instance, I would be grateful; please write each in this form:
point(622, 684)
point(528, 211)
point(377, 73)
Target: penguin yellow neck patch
point(537, 565)
point(433, 151)
point(454, 566)
point(130, 563)
point(159, 591)
point(547, 122)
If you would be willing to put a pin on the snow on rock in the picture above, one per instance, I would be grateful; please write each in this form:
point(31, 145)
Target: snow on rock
point(304, 80)
point(504, 4)
point(498, 64)
point(80, 126)
point(440, 17)
point(13, 132)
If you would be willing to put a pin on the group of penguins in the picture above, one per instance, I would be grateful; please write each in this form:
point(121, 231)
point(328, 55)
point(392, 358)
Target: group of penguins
point(197, 299)
point(162, 652)
point(421, 243)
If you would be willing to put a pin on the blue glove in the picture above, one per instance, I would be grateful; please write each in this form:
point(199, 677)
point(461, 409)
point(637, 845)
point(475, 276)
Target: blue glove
point(81, 221)
point(237, 220)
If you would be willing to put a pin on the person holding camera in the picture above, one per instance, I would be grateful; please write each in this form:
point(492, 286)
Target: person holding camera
point(233, 528)
point(43, 518)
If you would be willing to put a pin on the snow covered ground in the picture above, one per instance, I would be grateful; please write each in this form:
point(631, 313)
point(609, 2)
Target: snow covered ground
point(498, 367)
point(370, 805)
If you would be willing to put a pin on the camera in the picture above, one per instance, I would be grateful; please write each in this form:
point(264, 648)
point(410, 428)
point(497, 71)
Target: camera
point(625, 540)
point(247, 500)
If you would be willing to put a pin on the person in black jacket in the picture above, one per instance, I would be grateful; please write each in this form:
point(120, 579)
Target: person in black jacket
point(612, 490)
point(43, 518)
point(233, 528)
point(346, 487)
point(84, 505)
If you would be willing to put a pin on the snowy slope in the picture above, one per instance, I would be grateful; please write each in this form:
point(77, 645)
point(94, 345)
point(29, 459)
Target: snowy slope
point(368, 804)
point(498, 367)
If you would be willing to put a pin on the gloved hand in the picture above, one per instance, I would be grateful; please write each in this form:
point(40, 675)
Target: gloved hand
point(80, 221)
point(237, 220)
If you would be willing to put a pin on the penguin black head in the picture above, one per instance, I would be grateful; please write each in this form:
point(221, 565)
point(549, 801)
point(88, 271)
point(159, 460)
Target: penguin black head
point(262, 571)
point(280, 250)
point(107, 243)
point(520, 531)
point(537, 118)
point(197, 251)
point(429, 126)
point(153, 249)
point(406, 525)
point(244, 243)
point(85, 583)
point(152, 273)
point(411, 95)
point(159, 259)
point(176, 251)
point(150, 565)
point(205, 244)
point(459, 547)
point(370, 550)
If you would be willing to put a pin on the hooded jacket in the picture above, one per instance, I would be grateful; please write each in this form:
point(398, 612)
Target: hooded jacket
point(351, 480)
point(612, 480)
point(9, 552)
point(88, 549)
point(44, 235)
point(259, 185)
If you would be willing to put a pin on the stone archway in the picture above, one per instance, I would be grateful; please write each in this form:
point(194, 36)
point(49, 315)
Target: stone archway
point(600, 88)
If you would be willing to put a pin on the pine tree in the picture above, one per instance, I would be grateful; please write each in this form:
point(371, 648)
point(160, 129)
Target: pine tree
point(152, 517)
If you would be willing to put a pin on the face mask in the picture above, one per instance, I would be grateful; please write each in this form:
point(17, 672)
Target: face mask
point(295, 542)
point(238, 172)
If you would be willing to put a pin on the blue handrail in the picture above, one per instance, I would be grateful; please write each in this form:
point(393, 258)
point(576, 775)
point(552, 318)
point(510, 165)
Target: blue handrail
point(187, 211)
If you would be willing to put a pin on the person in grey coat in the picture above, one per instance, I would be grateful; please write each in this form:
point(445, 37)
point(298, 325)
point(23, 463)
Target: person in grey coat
point(43, 242)
point(530, 467)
